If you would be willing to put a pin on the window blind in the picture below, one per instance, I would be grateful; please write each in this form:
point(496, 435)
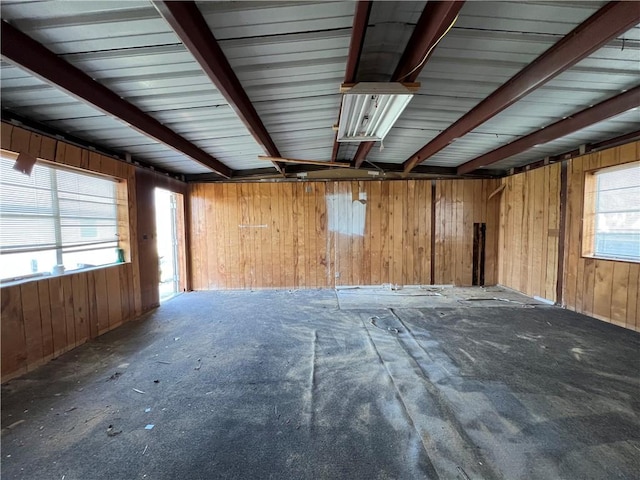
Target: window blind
point(617, 215)
point(55, 209)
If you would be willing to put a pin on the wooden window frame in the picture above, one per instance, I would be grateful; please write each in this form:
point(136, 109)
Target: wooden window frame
point(589, 213)
point(122, 212)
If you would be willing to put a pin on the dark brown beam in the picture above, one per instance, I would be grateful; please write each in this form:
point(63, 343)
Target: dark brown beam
point(436, 18)
point(30, 55)
point(188, 23)
point(585, 118)
point(614, 142)
point(358, 31)
point(436, 170)
point(432, 267)
point(361, 154)
point(606, 24)
point(577, 152)
point(391, 168)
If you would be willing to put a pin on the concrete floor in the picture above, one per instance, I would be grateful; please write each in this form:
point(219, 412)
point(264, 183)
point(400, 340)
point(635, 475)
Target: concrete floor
point(332, 385)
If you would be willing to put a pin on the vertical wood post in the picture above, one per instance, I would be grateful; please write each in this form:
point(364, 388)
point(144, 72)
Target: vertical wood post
point(562, 233)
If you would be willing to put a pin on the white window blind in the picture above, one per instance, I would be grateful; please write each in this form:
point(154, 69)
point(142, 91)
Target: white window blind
point(54, 217)
point(617, 213)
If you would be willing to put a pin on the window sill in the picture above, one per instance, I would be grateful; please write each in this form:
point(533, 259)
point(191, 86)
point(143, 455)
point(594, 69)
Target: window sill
point(610, 259)
point(45, 275)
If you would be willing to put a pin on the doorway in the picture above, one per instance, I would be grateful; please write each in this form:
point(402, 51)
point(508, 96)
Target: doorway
point(168, 242)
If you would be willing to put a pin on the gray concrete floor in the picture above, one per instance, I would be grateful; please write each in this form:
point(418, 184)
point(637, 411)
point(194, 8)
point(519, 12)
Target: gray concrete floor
point(317, 384)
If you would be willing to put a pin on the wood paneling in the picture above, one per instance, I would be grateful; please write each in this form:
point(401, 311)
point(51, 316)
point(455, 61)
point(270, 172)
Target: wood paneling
point(44, 318)
point(16, 139)
point(255, 235)
point(181, 226)
point(458, 205)
point(529, 240)
point(325, 234)
point(145, 221)
point(14, 347)
point(529, 227)
point(605, 289)
point(41, 319)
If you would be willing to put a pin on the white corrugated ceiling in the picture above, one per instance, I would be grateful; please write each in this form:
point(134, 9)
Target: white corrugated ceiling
point(290, 58)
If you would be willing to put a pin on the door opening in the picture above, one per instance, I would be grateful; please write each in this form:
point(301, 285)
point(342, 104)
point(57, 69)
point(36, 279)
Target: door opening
point(167, 241)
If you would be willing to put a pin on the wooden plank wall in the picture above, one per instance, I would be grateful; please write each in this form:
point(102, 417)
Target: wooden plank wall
point(146, 183)
point(259, 235)
point(42, 319)
point(16, 139)
point(604, 289)
point(325, 234)
point(53, 315)
point(381, 232)
point(459, 204)
point(529, 229)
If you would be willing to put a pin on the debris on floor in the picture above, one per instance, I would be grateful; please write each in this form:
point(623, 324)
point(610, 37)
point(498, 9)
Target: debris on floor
point(372, 321)
point(391, 385)
point(8, 429)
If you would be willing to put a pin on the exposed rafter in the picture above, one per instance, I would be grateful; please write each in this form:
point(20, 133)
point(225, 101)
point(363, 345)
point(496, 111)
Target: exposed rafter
point(305, 162)
point(192, 29)
point(30, 55)
point(436, 18)
point(585, 118)
point(606, 24)
point(615, 141)
point(358, 30)
point(582, 150)
point(385, 171)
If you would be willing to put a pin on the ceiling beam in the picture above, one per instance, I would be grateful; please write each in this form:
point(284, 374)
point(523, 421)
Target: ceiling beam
point(358, 31)
point(187, 22)
point(585, 118)
point(614, 142)
point(26, 53)
point(606, 24)
point(434, 170)
point(386, 171)
point(578, 152)
point(306, 162)
point(436, 19)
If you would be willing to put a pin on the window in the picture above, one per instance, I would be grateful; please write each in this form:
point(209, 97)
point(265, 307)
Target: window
point(54, 220)
point(612, 213)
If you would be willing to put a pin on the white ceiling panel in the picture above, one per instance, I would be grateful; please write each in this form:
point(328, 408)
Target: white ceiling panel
point(290, 57)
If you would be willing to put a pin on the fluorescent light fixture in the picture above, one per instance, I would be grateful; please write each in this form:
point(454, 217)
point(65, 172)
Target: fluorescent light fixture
point(369, 109)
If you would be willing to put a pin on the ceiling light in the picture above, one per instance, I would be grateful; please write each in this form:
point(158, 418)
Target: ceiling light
point(369, 110)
